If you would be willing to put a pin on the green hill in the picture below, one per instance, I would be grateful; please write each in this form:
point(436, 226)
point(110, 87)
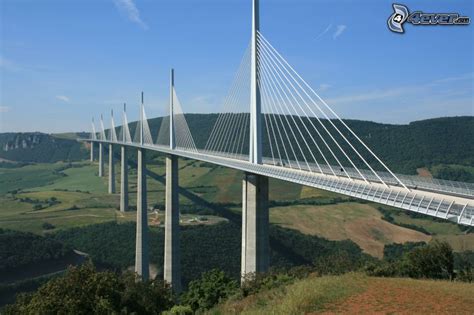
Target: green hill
point(442, 145)
point(40, 148)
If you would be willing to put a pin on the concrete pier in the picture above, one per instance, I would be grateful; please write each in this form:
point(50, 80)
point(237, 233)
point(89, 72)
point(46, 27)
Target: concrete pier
point(123, 180)
point(101, 160)
point(111, 170)
point(141, 248)
point(172, 264)
point(255, 222)
point(92, 151)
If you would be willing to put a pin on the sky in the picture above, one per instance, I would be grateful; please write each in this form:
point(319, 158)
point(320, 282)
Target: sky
point(65, 61)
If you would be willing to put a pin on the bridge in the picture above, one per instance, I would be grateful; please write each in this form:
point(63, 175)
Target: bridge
point(272, 125)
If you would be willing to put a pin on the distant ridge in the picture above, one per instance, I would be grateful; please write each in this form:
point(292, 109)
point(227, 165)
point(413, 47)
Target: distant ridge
point(423, 143)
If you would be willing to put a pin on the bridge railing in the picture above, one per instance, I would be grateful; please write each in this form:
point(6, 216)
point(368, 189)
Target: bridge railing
point(411, 181)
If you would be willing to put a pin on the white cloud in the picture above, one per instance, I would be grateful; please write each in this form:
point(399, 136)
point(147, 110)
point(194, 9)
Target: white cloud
point(428, 88)
point(324, 32)
point(129, 8)
point(339, 30)
point(324, 87)
point(63, 98)
point(368, 96)
point(8, 65)
point(4, 109)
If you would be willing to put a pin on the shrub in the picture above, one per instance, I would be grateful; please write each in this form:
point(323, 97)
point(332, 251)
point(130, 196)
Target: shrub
point(434, 261)
point(207, 291)
point(83, 290)
point(466, 268)
point(336, 263)
point(179, 310)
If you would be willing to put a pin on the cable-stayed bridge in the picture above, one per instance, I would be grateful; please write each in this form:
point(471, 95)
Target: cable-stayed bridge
point(272, 124)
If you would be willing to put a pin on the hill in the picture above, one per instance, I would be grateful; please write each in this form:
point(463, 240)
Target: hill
point(356, 294)
point(39, 147)
point(443, 145)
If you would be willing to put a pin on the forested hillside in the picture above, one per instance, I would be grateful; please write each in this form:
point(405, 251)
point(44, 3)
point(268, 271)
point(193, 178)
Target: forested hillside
point(19, 251)
point(40, 148)
point(203, 247)
point(444, 145)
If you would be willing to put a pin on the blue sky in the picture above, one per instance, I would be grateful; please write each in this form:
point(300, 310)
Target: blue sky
point(64, 61)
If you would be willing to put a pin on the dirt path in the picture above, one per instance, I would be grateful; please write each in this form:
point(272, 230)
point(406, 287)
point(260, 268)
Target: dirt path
point(404, 296)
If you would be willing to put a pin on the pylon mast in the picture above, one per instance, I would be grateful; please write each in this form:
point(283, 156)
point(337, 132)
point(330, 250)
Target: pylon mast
point(255, 154)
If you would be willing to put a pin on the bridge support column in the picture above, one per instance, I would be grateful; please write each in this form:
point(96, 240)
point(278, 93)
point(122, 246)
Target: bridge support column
point(123, 180)
point(141, 247)
point(111, 170)
point(92, 151)
point(255, 222)
point(101, 160)
point(172, 264)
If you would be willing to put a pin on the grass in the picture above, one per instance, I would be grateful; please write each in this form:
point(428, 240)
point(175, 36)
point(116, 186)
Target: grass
point(361, 223)
point(83, 178)
point(80, 186)
point(356, 294)
point(29, 176)
point(304, 296)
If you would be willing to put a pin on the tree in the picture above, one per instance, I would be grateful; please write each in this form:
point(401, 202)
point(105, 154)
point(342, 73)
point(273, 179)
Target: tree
point(83, 290)
point(207, 291)
point(433, 261)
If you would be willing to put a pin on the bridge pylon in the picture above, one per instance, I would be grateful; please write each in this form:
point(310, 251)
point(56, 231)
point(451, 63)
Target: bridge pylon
point(255, 218)
point(111, 170)
point(172, 260)
point(255, 149)
point(101, 159)
point(123, 167)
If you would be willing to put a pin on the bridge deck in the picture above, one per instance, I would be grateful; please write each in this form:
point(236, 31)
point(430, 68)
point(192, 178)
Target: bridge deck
point(442, 199)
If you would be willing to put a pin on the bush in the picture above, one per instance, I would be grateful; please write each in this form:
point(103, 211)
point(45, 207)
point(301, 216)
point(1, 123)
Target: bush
point(434, 261)
point(83, 290)
point(466, 268)
point(207, 291)
point(336, 263)
point(179, 310)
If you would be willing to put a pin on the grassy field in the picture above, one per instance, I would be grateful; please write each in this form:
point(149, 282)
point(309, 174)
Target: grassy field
point(80, 196)
point(82, 199)
point(361, 223)
point(357, 294)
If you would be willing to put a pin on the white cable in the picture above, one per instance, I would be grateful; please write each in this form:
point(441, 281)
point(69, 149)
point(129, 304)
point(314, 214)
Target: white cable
point(266, 62)
point(325, 104)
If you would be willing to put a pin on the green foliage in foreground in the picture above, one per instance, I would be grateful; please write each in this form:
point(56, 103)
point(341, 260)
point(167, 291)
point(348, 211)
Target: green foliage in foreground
point(83, 290)
point(212, 287)
point(435, 260)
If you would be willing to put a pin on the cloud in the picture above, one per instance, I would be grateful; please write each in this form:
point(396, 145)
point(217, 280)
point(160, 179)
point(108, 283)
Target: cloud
point(63, 98)
point(428, 88)
point(129, 8)
point(8, 65)
point(4, 109)
point(369, 96)
point(323, 32)
point(339, 30)
point(324, 87)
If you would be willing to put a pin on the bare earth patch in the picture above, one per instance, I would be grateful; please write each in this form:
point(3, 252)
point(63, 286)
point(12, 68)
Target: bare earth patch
point(407, 296)
point(424, 172)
